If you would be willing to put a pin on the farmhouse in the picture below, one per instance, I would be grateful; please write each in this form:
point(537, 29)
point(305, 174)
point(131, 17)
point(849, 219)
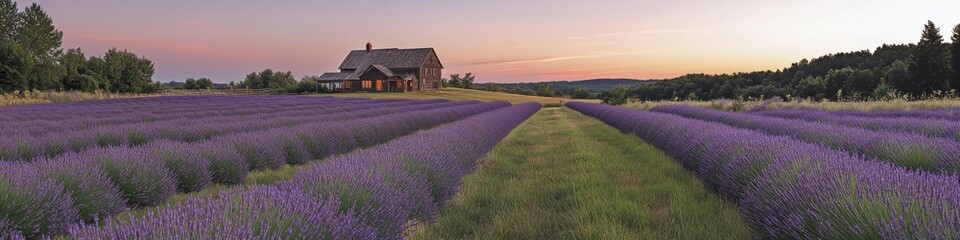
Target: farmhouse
point(386, 70)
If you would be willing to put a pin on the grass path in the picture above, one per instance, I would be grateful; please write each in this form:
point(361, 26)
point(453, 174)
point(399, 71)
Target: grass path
point(562, 175)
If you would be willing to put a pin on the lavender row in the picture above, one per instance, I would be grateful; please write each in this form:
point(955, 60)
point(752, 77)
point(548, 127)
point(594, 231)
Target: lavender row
point(929, 127)
point(952, 114)
point(225, 120)
point(103, 181)
point(59, 120)
point(788, 189)
point(25, 148)
point(148, 104)
point(909, 150)
point(40, 126)
point(374, 193)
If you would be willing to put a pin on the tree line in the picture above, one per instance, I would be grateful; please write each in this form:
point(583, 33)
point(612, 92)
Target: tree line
point(31, 58)
point(927, 69)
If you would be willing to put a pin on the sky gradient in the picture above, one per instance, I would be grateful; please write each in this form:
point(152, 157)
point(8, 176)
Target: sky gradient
point(499, 41)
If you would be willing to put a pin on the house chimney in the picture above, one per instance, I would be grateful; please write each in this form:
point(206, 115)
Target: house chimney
point(369, 46)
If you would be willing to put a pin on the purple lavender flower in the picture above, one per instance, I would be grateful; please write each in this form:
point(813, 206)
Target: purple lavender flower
point(143, 181)
point(791, 189)
point(191, 169)
point(909, 150)
point(31, 204)
point(94, 195)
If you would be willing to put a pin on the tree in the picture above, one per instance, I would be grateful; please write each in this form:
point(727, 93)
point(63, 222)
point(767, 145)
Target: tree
point(77, 76)
point(204, 83)
point(545, 91)
point(38, 35)
point(190, 83)
point(307, 84)
point(955, 52)
point(616, 96)
point(127, 72)
point(9, 19)
point(581, 93)
point(897, 75)
point(15, 64)
point(456, 81)
point(928, 68)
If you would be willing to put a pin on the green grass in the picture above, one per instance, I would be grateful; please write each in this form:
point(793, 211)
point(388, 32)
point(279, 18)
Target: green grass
point(463, 94)
point(562, 175)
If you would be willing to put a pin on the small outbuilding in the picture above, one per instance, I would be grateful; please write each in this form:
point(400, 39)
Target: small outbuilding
point(386, 70)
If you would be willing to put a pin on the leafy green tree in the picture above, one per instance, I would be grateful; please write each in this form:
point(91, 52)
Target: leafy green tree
point(190, 83)
point(307, 84)
point(15, 65)
point(616, 96)
point(204, 83)
point(812, 87)
point(9, 19)
point(955, 52)
point(38, 35)
point(98, 68)
point(545, 91)
point(77, 76)
point(127, 72)
point(581, 93)
point(929, 65)
point(897, 75)
point(281, 80)
point(456, 81)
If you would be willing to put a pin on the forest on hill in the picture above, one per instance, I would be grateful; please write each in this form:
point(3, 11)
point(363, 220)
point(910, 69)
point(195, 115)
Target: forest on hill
point(581, 89)
point(930, 68)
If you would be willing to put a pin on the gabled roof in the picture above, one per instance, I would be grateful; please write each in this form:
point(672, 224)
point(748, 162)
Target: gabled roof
point(388, 57)
point(355, 75)
point(382, 69)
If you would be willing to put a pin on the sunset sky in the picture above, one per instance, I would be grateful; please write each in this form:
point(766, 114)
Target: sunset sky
point(500, 41)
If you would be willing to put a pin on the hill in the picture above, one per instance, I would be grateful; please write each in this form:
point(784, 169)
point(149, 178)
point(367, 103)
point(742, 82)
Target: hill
point(581, 89)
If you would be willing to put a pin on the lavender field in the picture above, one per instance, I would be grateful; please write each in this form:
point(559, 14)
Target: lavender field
point(180, 167)
point(814, 175)
point(71, 169)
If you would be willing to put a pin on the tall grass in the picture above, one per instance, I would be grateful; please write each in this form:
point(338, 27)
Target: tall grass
point(37, 97)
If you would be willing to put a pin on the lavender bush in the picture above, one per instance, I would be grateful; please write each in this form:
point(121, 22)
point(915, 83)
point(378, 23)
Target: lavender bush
point(373, 193)
point(191, 169)
point(148, 174)
point(790, 189)
point(929, 127)
point(909, 150)
point(94, 195)
point(31, 204)
point(256, 213)
point(143, 180)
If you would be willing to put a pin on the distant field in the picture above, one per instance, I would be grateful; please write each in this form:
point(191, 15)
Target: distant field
point(463, 94)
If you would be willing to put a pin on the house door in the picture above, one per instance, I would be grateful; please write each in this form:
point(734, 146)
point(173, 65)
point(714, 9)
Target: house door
point(379, 85)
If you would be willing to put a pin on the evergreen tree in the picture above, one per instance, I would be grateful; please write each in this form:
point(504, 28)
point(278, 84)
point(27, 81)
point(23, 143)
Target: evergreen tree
point(929, 65)
point(9, 19)
point(955, 52)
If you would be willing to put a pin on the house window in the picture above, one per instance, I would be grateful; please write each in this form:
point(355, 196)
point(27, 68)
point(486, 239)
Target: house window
point(367, 84)
point(346, 85)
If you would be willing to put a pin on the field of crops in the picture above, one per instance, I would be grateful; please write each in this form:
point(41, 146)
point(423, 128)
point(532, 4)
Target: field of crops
point(68, 169)
point(807, 174)
point(180, 167)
